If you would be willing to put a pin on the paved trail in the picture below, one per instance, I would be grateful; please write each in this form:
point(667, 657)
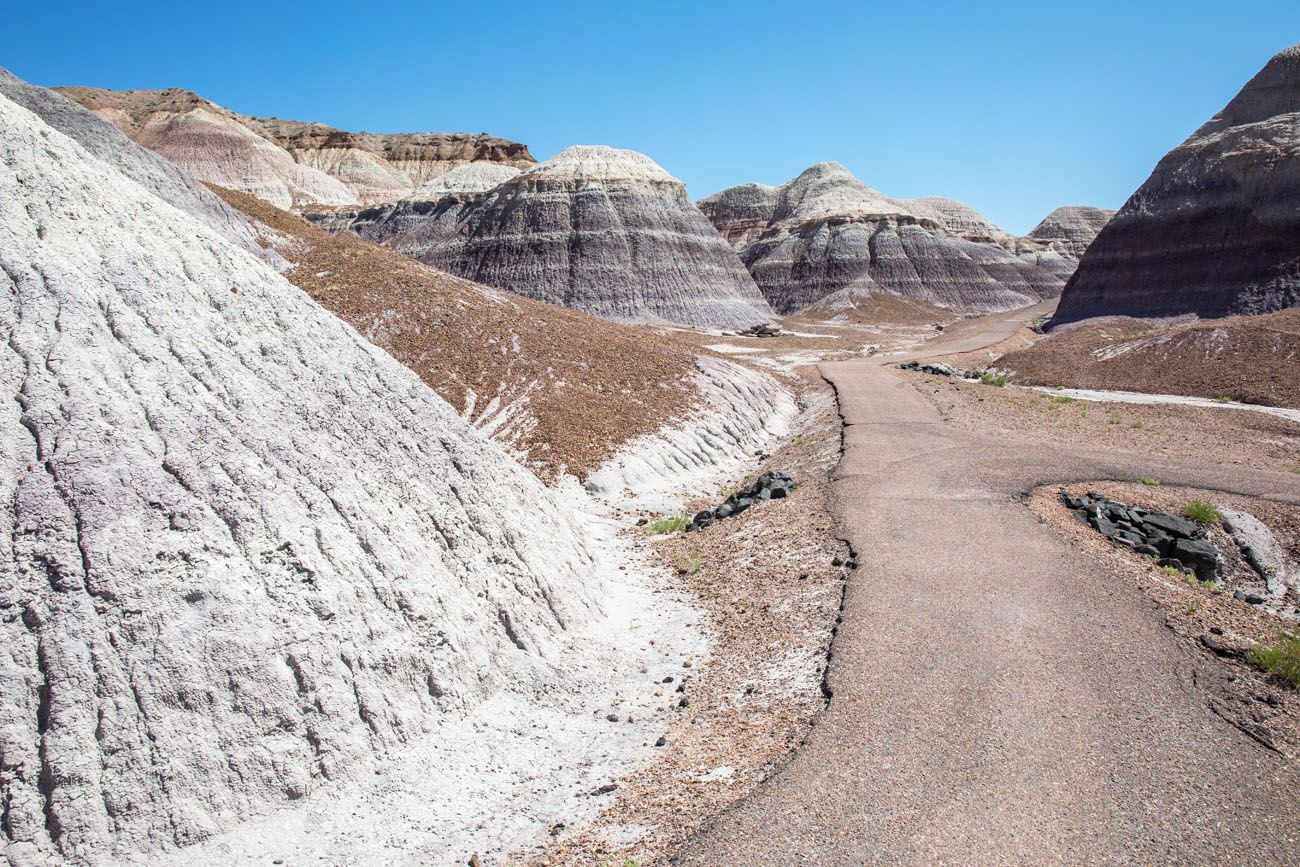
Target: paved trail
point(996, 698)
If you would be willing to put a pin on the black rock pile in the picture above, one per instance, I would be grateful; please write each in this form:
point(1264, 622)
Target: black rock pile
point(929, 367)
point(766, 329)
point(770, 486)
point(1172, 540)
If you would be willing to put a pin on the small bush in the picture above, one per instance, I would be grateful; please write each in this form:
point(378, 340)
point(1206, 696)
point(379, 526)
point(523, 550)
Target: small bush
point(1114, 417)
point(1282, 658)
point(992, 377)
point(1062, 398)
point(670, 524)
point(1137, 424)
point(1201, 512)
point(1224, 399)
point(689, 565)
point(1149, 480)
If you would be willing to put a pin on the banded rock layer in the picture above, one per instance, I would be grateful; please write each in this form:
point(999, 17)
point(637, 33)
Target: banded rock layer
point(594, 228)
point(826, 233)
point(234, 573)
point(1072, 228)
point(1215, 230)
point(290, 164)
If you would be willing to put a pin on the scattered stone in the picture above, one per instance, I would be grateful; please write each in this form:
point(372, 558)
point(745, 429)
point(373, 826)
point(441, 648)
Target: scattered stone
point(612, 717)
point(1221, 645)
point(1179, 543)
point(661, 742)
point(934, 368)
point(605, 789)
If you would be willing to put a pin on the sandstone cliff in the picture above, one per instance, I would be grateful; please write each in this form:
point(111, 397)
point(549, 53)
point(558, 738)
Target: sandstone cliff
point(826, 231)
point(1215, 230)
point(251, 552)
point(601, 230)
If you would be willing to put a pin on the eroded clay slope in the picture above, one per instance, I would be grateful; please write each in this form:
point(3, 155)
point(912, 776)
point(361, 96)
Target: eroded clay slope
point(251, 552)
point(213, 144)
point(597, 229)
point(826, 233)
point(1072, 228)
point(562, 390)
point(1215, 229)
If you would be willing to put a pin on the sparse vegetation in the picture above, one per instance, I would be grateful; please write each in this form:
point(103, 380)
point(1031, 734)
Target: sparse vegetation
point(1281, 658)
point(1193, 607)
point(668, 524)
point(992, 377)
point(1137, 423)
point(798, 440)
point(1149, 480)
point(689, 565)
point(1114, 417)
point(1201, 512)
point(1062, 398)
point(1224, 399)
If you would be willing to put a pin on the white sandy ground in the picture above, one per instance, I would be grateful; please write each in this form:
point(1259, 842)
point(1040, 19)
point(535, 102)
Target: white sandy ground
point(1139, 397)
point(498, 780)
point(508, 773)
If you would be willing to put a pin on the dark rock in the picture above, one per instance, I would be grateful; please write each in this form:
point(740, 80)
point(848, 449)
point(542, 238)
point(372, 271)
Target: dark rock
point(1202, 557)
point(1148, 550)
point(1254, 599)
point(661, 742)
point(605, 789)
point(1171, 524)
point(612, 717)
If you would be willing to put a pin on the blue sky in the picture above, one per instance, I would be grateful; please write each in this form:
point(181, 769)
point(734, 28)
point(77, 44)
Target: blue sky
point(1014, 108)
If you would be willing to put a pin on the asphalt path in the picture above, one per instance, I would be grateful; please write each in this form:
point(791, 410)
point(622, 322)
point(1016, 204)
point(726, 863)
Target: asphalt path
point(997, 697)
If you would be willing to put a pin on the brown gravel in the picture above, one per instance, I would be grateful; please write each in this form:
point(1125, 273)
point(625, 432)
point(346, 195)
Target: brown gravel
point(590, 385)
point(1227, 436)
point(1252, 359)
point(771, 581)
point(1265, 707)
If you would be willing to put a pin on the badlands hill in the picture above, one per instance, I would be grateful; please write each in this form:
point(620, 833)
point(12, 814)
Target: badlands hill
point(1215, 229)
point(826, 233)
point(597, 229)
point(251, 553)
point(1072, 228)
point(560, 389)
point(290, 164)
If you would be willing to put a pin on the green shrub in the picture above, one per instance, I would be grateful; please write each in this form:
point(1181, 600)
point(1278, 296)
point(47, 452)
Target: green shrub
point(689, 565)
point(1281, 658)
point(1149, 480)
point(1224, 399)
point(1201, 512)
point(1062, 398)
point(1136, 424)
point(992, 377)
point(669, 524)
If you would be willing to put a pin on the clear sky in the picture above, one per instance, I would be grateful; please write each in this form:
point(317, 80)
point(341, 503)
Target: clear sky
point(1013, 108)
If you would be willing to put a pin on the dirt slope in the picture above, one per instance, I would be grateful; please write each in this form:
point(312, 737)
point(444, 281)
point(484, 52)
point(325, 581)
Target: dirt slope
point(561, 388)
point(1253, 359)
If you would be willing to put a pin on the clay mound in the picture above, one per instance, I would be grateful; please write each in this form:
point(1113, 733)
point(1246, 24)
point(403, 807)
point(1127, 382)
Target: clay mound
point(385, 168)
point(251, 552)
point(1214, 231)
point(562, 390)
point(597, 229)
point(468, 178)
point(1252, 359)
point(1072, 228)
point(212, 144)
point(826, 231)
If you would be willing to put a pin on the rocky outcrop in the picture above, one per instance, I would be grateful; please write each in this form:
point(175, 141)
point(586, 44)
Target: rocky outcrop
point(213, 144)
point(826, 233)
point(601, 230)
point(384, 168)
point(1072, 228)
point(1214, 230)
point(288, 163)
point(250, 552)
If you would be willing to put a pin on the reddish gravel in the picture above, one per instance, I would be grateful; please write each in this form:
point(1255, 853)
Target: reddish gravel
point(1252, 359)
